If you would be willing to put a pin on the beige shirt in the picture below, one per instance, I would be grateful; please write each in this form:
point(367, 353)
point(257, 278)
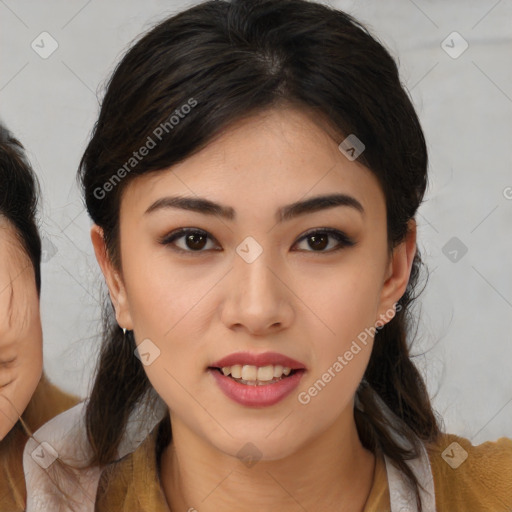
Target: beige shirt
point(483, 482)
point(48, 401)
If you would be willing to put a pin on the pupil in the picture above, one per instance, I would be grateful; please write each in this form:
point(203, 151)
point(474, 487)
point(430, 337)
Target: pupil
point(318, 241)
point(192, 242)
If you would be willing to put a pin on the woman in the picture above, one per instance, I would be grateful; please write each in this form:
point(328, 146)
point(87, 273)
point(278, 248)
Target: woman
point(253, 179)
point(27, 398)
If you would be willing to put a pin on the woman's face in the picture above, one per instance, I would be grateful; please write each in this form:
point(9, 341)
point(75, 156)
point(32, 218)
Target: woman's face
point(21, 357)
point(254, 282)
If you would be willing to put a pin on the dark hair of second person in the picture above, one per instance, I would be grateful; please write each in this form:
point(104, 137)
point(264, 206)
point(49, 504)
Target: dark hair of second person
point(27, 398)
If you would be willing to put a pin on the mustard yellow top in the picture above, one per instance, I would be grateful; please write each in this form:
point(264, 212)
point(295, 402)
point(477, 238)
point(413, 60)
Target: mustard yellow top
point(482, 482)
point(48, 401)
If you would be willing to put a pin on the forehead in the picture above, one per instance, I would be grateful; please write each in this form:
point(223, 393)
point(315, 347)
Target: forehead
point(275, 157)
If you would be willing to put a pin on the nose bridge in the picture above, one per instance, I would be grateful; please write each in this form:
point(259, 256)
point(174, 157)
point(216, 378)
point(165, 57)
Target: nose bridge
point(257, 298)
point(253, 271)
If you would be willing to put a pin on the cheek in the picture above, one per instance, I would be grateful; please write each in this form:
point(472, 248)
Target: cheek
point(355, 305)
point(24, 378)
point(345, 302)
point(163, 302)
point(168, 309)
point(21, 341)
point(344, 299)
point(31, 358)
point(27, 378)
point(341, 354)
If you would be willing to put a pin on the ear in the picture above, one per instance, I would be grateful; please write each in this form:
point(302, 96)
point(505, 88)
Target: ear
point(113, 278)
point(397, 275)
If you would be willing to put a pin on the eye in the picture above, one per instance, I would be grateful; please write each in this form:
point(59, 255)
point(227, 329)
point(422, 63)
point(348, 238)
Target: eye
point(194, 240)
point(318, 240)
point(191, 240)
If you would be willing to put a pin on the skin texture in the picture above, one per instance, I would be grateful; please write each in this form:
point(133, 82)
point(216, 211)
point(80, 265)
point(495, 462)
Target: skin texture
point(307, 303)
point(21, 356)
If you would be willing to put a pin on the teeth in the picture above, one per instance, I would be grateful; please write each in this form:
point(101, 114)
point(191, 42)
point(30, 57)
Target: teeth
point(249, 372)
point(264, 373)
point(254, 373)
point(236, 371)
point(278, 370)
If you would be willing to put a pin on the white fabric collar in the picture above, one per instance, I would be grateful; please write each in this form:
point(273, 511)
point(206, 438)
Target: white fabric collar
point(401, 495)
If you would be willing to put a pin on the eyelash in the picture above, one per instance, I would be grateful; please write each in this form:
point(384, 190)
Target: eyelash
point(343, 240)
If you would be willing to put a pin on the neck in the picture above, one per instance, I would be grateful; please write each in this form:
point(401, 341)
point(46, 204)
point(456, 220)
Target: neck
point(334, 472)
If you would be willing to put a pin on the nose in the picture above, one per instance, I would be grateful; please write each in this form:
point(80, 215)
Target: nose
point(257, 299)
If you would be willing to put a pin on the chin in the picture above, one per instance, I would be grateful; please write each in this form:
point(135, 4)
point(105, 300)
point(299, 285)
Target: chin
point(258, 447)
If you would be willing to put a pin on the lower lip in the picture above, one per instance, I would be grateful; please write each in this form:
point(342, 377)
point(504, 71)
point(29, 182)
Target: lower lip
point(257, 396)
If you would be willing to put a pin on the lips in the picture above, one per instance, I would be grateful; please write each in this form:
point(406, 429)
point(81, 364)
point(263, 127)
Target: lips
point(257, 396)
point(264, 359)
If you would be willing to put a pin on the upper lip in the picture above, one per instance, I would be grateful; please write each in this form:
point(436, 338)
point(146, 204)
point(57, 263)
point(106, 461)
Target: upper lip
point(264, 359)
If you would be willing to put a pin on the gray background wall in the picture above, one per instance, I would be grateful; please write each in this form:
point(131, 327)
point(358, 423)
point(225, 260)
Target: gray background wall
point(463, 97)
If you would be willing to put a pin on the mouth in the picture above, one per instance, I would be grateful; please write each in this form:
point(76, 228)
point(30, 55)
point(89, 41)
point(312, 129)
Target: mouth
point(254, 392)
point(257, 380)
point(256, 376)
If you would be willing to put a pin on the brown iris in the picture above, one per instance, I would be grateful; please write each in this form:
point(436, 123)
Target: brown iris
point(196, 241)
point(318, 241)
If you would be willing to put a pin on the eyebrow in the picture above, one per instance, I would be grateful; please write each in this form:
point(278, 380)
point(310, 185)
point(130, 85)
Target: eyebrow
point(287, 212)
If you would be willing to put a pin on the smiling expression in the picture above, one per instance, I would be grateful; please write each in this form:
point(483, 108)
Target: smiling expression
point(322, 275)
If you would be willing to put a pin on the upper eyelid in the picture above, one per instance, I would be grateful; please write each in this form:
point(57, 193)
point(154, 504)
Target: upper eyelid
point(5, 362)
point(181, 232)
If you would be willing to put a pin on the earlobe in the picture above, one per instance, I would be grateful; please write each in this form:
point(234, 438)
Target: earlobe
point(397, 274)
point(113, 278)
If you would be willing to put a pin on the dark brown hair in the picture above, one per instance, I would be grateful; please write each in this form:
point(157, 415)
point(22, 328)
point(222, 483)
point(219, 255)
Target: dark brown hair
point(232, 60)
point(19, 192)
